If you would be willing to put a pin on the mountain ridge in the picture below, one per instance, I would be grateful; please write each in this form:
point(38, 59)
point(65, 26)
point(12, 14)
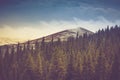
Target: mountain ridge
point(63, 35)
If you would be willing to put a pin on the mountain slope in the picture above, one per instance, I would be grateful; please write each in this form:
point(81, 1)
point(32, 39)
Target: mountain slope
point(63, 35)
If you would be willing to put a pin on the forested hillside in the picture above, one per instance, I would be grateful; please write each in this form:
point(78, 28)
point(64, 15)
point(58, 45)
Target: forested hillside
point(87, 57)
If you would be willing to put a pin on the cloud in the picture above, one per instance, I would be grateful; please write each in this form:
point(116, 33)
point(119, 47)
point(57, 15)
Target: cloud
point(44, 28)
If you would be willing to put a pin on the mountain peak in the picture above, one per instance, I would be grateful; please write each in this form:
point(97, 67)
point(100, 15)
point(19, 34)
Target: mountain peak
point(80, 30)
point(64, 35)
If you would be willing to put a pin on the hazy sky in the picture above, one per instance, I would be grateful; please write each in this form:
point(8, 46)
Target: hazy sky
point(29, 19)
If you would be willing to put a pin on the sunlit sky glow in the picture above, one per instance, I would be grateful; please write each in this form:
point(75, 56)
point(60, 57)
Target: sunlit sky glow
point(30, 19)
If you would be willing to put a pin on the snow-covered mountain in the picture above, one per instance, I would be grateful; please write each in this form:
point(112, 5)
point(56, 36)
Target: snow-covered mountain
point(63, 35)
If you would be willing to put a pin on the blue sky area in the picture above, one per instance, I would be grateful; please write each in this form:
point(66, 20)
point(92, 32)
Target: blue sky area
point(56, 15)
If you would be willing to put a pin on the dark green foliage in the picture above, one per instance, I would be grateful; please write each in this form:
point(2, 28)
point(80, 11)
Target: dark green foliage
point(87, 57)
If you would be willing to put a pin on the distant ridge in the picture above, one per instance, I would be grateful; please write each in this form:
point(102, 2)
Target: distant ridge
point(63, 35)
